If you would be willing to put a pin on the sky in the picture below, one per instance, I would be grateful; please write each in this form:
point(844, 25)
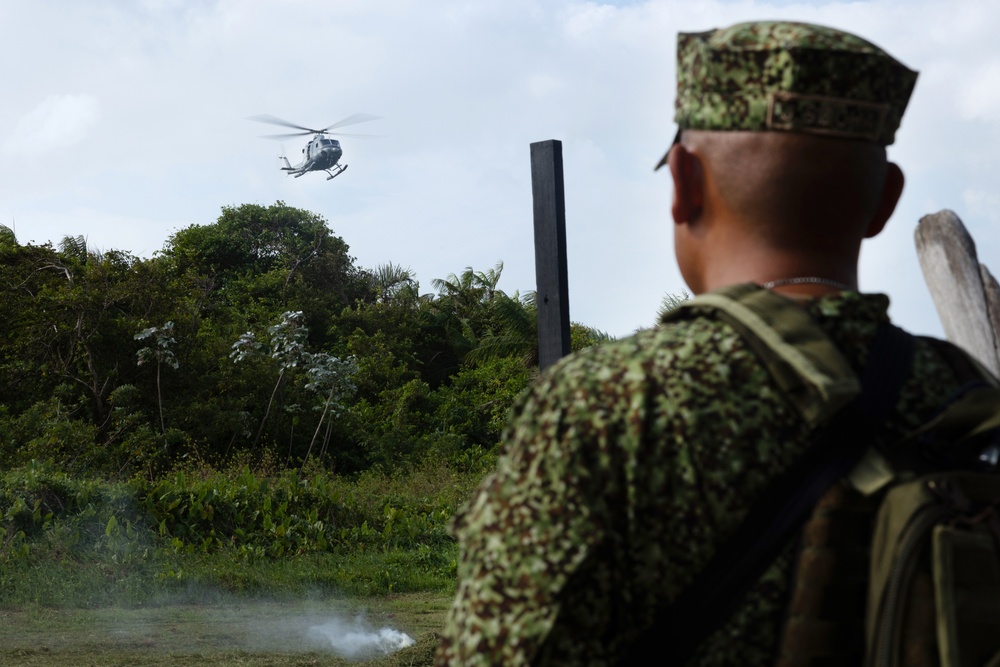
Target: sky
point(125, 121)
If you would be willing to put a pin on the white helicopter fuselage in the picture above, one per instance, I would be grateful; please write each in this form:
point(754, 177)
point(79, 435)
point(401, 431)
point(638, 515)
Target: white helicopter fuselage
point(320, 153)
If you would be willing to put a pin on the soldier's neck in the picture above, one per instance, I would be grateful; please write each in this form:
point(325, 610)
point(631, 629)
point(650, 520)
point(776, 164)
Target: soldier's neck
point(790, 273)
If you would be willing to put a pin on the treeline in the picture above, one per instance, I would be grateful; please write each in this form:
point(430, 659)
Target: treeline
point(255, 336)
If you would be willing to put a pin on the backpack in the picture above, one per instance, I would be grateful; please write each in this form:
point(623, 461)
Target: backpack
point(914, 541)
point(918, 549)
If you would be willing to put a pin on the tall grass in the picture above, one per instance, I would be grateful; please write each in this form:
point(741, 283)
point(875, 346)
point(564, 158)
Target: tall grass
point(201, 532)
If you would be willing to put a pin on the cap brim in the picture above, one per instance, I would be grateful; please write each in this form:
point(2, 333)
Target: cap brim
point(666, 156)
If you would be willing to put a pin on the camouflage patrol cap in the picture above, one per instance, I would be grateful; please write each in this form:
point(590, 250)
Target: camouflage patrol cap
point(794, 77)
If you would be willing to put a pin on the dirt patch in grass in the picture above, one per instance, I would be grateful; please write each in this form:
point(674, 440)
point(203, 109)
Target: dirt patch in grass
point(320, 632)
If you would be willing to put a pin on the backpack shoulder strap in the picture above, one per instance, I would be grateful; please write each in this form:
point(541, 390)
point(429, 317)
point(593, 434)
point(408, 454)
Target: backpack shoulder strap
point(953, 438)
point(967, 368)
point(808, 368)
point(964, 435)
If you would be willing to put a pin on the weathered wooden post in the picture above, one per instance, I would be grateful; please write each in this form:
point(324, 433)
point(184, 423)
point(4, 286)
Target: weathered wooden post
point(965, 293)
point(550, 251)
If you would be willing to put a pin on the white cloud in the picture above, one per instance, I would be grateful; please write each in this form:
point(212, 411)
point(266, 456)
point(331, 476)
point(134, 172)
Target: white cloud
point(542, 84)
point(60, 120)
point(465, 86)
point(979, 96)
point(982, 203)
point(142, 235)
point(584, 19)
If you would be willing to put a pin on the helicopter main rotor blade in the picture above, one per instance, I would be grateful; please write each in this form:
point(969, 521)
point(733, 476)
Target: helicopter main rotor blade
point(355, 136)
point(273, 120)
point(350, 120)
point(285, 136)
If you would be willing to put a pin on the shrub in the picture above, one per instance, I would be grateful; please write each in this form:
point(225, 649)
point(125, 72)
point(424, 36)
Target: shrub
point(229, 528)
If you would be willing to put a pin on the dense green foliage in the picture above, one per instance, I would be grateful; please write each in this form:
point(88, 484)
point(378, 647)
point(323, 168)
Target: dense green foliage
point(248, 410)
point(256, 334)
point(202, 532)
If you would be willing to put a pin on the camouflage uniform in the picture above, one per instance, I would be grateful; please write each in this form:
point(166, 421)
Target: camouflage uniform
point(627, 466)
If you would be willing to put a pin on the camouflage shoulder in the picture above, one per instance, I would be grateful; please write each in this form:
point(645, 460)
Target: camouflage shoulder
point(657, 341)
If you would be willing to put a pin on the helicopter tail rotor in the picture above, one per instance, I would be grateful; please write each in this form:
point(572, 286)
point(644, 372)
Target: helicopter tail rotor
point(281, 156)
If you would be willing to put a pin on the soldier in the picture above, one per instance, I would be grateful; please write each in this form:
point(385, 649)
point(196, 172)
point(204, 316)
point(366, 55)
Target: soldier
point(627, 466)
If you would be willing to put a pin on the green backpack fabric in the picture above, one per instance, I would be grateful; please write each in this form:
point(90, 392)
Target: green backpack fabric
point(919, 551)
point(934, 585)
point(935, 559)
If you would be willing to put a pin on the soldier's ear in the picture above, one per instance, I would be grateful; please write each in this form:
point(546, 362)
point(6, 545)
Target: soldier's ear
point(689, 184)
point(891, 191)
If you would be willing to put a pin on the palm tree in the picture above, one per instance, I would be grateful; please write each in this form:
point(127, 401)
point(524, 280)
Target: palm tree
point(464, 307)
point(671, 301)
point(517, 318)
point(667, 304)
point(467, 293)
point(393, 282)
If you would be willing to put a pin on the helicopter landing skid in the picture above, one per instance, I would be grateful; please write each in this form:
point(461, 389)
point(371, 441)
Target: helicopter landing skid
point(341, 168)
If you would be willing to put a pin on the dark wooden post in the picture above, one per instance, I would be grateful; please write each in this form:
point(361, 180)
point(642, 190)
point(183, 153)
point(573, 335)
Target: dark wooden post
point(550, 251)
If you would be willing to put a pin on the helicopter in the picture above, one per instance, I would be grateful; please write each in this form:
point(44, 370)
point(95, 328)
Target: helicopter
point(321, 153)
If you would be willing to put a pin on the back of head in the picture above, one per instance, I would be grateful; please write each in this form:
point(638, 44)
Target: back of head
point(794, 189)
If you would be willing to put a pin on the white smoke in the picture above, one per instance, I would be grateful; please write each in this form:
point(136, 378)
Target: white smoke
point(358, 639)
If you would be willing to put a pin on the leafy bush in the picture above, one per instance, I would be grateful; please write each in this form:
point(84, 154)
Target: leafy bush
point(231, 530)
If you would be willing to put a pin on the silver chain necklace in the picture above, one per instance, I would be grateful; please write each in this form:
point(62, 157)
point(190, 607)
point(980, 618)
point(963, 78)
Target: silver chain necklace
point(771, 284)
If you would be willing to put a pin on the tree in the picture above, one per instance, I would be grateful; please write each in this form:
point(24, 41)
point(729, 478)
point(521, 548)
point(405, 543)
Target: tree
point(8, 239)
point(391, 282)
point(363, 368)
point(669, 302)
point(464, 308)
point(163, 340)
point(330, 377)
point(517, 333)
point(67, 313)
point(467, 295)
point(256, 239)
point(287, 347)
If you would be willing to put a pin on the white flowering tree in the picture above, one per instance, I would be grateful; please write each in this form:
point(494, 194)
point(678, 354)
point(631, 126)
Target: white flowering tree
point(287, 347)
point(327, 376)
point(162, 339)
point(331, 378)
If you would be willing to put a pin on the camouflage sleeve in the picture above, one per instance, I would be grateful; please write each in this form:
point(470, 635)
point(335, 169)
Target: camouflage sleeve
point(522, 537)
